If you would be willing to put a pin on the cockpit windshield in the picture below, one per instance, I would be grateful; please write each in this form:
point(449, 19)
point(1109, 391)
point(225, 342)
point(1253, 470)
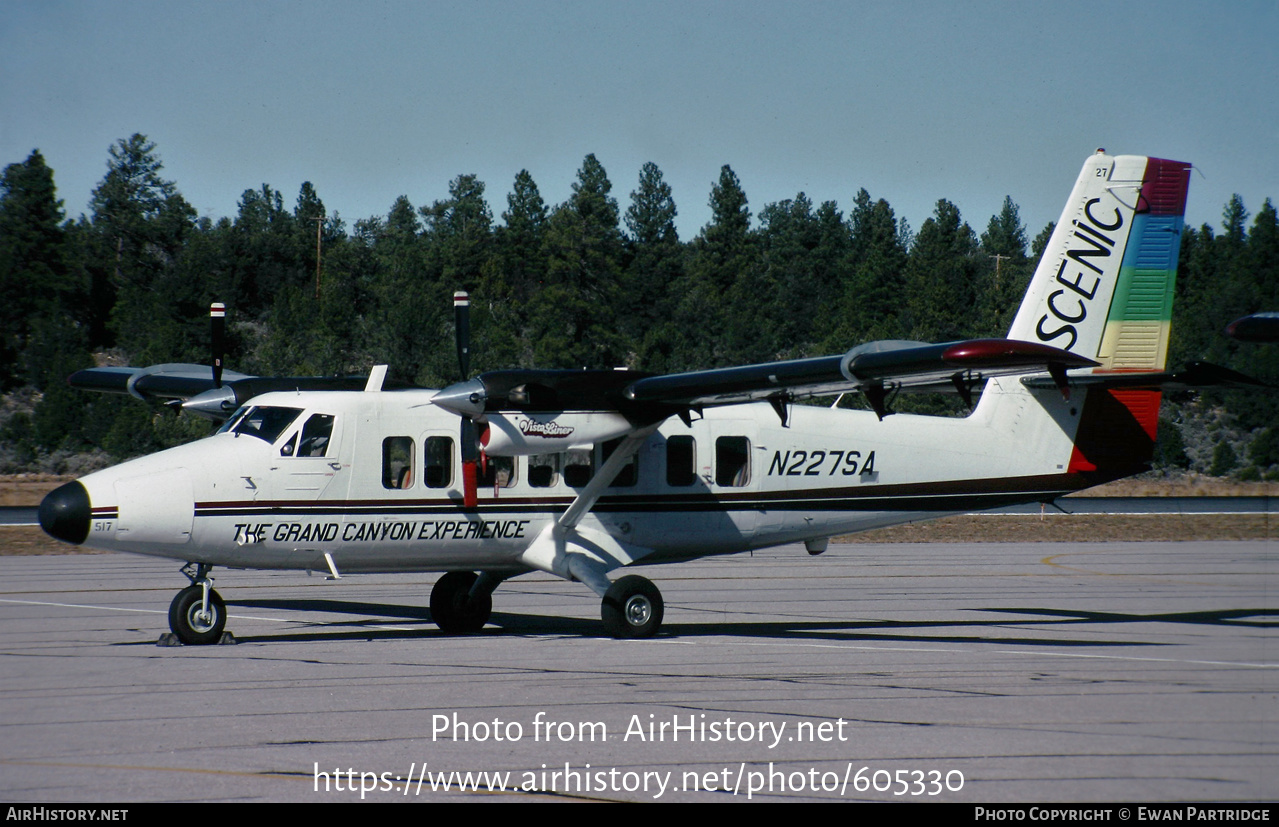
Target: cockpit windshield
point(261, 421)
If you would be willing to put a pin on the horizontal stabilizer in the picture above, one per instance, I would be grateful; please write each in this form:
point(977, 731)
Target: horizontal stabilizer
point(1197, 376)
point(1259, 327)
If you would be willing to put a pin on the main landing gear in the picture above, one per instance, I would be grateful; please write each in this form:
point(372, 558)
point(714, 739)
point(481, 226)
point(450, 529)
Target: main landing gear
point(457, 607)
point(632, 607)
point(197, 615)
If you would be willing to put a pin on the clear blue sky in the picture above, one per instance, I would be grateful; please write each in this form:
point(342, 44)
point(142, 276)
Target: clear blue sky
point(914, 101)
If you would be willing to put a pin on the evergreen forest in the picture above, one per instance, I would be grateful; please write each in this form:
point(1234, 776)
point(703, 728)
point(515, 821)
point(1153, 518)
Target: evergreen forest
point(600, 280)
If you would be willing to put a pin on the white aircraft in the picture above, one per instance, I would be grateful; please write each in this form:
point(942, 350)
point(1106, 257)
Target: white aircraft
point(579, 473)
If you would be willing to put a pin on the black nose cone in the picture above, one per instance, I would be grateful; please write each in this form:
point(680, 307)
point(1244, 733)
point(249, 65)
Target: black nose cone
point(64, 513)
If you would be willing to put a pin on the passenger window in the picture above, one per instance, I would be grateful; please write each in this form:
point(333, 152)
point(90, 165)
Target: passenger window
point(579, 466)
point(397, 462)
point(438, 462)
point(629, 473)
point(732, 461)
point(497, 472)
point(543, 470)
point(315, 436)
point(681, 461)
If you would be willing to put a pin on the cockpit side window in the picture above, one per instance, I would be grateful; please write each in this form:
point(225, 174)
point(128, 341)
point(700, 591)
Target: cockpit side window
point(316, 434)
point(265, 423)
point(233, 420)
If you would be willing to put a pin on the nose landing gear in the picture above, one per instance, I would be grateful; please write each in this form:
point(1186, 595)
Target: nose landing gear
point(197, 614)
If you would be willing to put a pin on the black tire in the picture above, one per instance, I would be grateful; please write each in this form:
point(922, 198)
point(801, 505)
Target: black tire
point(632, 608)
point(188, 621)
point(452, 607)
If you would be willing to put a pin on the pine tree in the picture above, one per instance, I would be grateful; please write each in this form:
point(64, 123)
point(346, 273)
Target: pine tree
point(459, 233)
point(574, 315)
point(1009, 273)
point(655, 264)
point(720, 256)
point(265, 239)
point(34, 276)
point(941, 278)
point(871, 301)
point(141, 223)
point(512, 276)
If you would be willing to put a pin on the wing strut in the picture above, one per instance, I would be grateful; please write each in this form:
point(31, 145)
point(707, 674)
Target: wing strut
point(603, 478)
point(587, 555)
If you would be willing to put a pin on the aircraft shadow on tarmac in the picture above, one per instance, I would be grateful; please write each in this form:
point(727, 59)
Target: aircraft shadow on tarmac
point(1256, 618)
point(374, 615)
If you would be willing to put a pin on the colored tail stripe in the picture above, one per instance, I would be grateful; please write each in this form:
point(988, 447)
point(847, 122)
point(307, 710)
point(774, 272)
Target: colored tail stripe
point(1164, 191)
point(1138, 323)
point(1116, 433)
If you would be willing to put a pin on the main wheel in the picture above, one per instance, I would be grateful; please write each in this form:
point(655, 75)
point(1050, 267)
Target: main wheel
point(632, 607)
point(452, 607)
point(189, 621)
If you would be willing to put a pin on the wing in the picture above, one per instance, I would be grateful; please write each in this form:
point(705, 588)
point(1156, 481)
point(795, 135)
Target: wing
point(193, 388)
point(876, 369)
point(170, 381)
point(208, 390)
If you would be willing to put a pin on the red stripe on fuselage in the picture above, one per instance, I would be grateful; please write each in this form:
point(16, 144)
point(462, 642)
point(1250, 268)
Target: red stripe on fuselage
point(1116, 432)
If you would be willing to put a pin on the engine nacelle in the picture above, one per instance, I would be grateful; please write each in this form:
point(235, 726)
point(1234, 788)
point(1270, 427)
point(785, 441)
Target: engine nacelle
point(522, 434)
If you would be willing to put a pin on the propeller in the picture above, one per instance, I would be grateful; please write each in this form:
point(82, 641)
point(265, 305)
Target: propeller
point(469, 438)
point(217, 320)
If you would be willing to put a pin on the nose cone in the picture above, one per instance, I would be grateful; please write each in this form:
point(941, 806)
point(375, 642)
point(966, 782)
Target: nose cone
point(64, 513)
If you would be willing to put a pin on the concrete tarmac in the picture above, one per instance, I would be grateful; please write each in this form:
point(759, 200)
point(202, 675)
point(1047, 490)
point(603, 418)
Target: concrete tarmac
point(1107, 672)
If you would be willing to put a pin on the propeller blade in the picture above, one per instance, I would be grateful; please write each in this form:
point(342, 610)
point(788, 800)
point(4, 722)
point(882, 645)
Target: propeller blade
point(466, 405)
point(217, 320)
point(470, 463)
point(462, 322)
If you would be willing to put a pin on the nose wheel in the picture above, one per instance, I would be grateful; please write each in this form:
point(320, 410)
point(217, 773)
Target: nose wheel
point(192, 621)
point(632, 608)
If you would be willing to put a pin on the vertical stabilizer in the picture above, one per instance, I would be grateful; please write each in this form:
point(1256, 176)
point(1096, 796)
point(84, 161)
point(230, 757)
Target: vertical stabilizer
point(1104, 290)
point(1104, 286)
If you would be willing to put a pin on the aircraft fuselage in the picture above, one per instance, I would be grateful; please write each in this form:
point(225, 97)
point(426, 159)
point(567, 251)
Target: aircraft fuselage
point(383, 493)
